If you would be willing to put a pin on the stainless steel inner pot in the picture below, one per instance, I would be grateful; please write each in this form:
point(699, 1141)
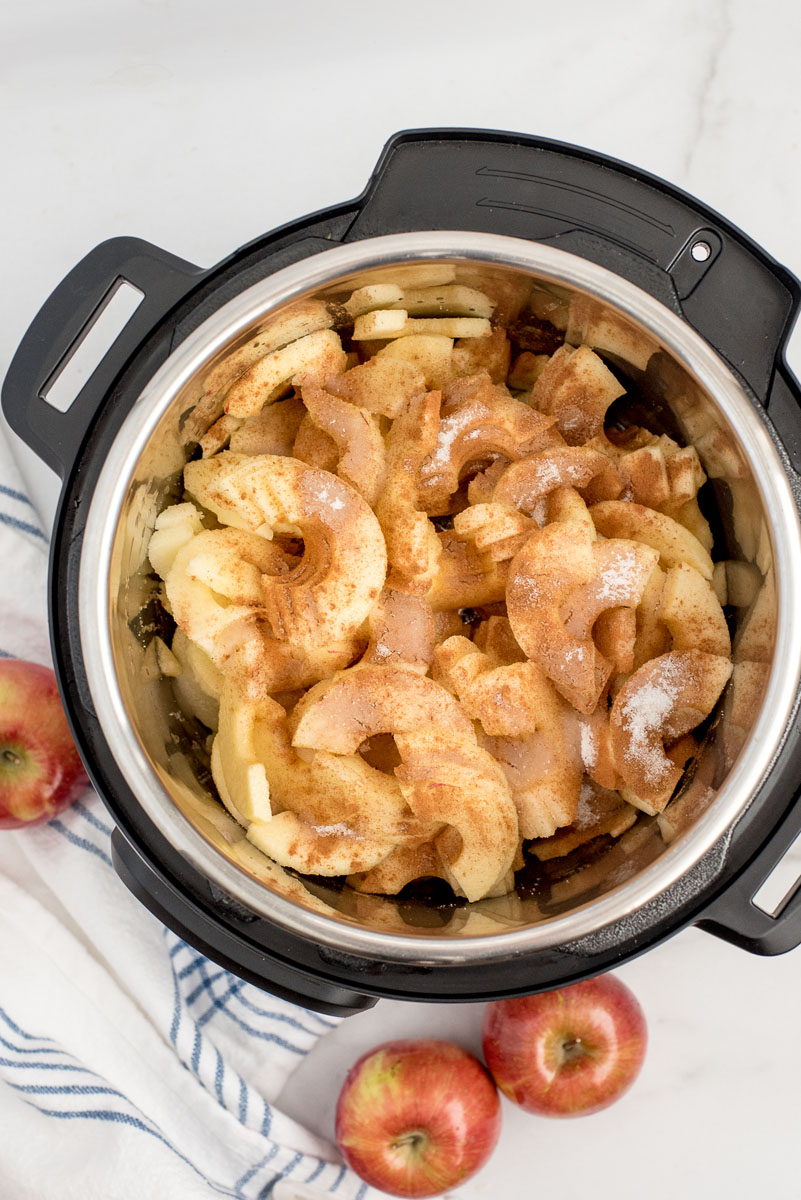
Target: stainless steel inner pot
point(682, 379)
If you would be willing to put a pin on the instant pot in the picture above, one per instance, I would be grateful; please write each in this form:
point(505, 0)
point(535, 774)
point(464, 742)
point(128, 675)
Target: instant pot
point(691, 314)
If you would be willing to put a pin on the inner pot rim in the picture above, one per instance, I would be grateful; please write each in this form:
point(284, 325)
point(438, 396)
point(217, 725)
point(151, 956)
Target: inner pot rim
point(324, 269)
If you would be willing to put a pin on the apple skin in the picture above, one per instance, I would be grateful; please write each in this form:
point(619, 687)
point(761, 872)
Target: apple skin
point(417, 1116)
point(41, 773)
point(569, 1052)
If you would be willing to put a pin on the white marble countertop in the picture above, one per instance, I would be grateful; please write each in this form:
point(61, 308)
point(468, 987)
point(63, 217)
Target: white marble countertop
point(199, 126)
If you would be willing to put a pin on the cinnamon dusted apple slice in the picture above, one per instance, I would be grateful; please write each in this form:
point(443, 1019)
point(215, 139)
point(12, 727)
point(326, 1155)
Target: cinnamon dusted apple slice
point(271, 431)
point(478, 422)
point(615, 633)
point(444, 775)
point(600, 813)
point(288, 326)
point(690, 516)
point(464, 576)
point(402, 631)
point(679, 753)
point(337, 714)
point(219, 435)
point(524, 485)
point(543, 576)
point(594, 737)
point(357, 435)
point(622, 569)
point(684, 471)
point(744, 700)
point(259, 775)
point(566, 506)
point(526, 370)
point(543, 806)
point(457, 664)
point(756, 636)
point(330, 593)
point(412, 545)
point(692, 612)
point(430, 353)
point(644, 476)
point(525, 726)
point(576, 388)
point(598, 326)
point(381, 385)
point(620, 519)
point(664, 699)
point(490, 354)
point(318, 354)
point(314, 446)
point(497, 530)
point(553, 610)
point(652, 636)
point(449, 778)
point(494, 638)
point(216, 591)
point(404, 865)
point(330, 850)
point(482, 484)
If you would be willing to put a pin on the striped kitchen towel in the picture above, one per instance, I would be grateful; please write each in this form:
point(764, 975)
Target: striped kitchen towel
point(131, 1067)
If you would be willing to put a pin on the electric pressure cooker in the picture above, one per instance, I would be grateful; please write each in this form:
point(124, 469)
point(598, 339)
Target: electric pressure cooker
point(708, 313)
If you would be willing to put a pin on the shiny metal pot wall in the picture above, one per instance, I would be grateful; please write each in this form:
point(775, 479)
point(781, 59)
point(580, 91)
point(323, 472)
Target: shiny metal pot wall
point(687, 387)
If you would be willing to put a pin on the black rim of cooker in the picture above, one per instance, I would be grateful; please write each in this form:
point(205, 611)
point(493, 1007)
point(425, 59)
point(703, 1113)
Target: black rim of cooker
point(609, 212)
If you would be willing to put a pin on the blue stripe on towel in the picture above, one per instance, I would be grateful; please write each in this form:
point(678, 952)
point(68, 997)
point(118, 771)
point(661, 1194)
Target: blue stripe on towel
point(275, 1016)
point(335, 1185)
point(80, 808)
point(14, 494)
point(139, 1122)
point(122, 1118)
point(287, 1170)
point(254, 1170)
point(318, 1170)
point(29, 1037)
point(90, 847)
point(43, 1066)
point(23, 526)
point(70, 1089)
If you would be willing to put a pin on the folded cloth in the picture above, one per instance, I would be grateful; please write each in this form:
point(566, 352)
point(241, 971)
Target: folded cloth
point(131, 1067)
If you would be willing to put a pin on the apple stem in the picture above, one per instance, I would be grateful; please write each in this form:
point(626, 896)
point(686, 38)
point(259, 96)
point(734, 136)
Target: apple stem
point(13, 759)
point(573, 1048)
point(415, 1140)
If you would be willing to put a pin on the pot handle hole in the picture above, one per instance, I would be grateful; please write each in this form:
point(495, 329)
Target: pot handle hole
point(82, 338)
point(761, 910)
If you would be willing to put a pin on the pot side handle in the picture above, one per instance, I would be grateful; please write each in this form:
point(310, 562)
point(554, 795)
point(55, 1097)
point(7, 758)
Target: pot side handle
point(59, 329)
point(734, 915)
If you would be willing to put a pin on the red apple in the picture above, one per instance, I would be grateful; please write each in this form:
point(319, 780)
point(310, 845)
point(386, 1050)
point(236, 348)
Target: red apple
point(416, 1117)
point(569, 1052)
point(40, 771)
